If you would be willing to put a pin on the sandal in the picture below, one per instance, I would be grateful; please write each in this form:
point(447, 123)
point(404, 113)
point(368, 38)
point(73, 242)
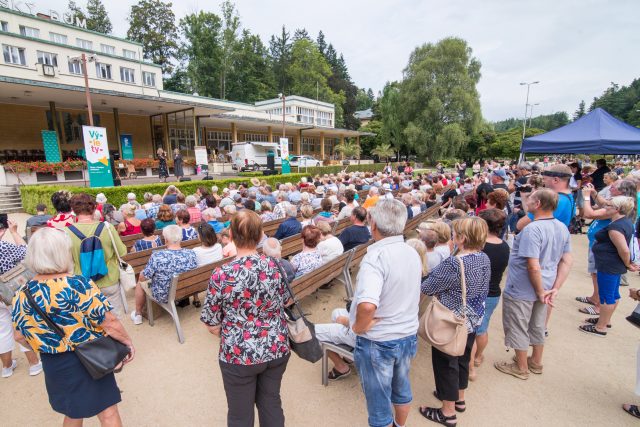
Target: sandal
point(631, 410)
point(459, 404)
point(336, 375)
point(594, 321)
point(584, 300)
point(590, 310)
point(436, 415)
point(591, 330)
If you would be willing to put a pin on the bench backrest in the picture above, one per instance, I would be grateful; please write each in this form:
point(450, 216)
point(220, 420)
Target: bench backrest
point(358, 253)
point(270, 227)
point(414, 222)
point(307, 284)
point(138, 260)
point(194, 281)
point(339, 226)
point(291, 245)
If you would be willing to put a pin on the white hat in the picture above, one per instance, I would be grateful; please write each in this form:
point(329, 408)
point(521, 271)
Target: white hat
point(320, 190)
point(131, 196)
point(225, 190)
point(101, 198)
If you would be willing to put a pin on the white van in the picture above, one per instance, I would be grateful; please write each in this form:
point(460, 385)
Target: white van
point(253, 155)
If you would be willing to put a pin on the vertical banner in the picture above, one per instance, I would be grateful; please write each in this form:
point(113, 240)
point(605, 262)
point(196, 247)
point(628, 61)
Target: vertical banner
point(51, 148)
point(201, 158)
point(126, 142)
point(284, 154)
point(97, 152)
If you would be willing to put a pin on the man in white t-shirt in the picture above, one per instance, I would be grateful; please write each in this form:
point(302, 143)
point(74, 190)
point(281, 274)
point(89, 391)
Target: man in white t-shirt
point(384, 316)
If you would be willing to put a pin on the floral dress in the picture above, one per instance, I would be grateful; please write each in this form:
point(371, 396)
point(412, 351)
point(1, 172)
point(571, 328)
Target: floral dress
point(246, 297)
point(189, 233)
point(305, 262)
point(163, 265)
point(163, 170)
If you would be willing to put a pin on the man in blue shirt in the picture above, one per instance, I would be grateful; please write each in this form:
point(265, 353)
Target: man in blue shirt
point(290, 226)
point(355, 234)
point(208, 215)
point(556, 178)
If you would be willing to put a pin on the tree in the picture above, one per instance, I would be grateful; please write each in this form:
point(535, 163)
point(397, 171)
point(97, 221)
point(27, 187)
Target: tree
point(349, 149)
point(383, 151)
point(76, 12)
point(440, 101)
point(152, 23)
point(252, 78)
point(97, 18)
point(280, 52)
point(230, 27)
point(301, 33)
point(390, 108)
point(322, 44)
point(363, 101)
point(369, 142)
point(621, 102)
point(580, 111)
point(179, 81)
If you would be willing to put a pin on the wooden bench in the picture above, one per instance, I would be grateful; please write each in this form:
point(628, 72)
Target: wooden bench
point(309, 283)
point(413, 223)
point(270, 227)
point(138, 260)
point(339, 226)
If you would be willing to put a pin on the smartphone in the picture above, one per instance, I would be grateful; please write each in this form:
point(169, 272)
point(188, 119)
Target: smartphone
point(4, 221)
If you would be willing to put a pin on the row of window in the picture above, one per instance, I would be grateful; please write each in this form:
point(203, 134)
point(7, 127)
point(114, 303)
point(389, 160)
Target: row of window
point(16, 55)
point(278, 111)
point(62, 39)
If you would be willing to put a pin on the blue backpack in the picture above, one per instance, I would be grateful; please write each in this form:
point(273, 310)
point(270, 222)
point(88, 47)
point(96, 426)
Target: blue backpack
point(92, 263)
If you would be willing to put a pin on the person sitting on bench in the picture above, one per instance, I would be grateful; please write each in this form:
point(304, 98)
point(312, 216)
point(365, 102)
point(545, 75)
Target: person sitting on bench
point(338, 332)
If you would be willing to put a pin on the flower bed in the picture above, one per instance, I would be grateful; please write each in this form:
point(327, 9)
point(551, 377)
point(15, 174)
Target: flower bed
point(44, 167)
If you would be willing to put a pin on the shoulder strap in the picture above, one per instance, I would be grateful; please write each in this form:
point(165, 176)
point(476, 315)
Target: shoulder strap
point(99, 229)
point(285, 279)
point(42, 314)
point(113, 242)
point(76, 232)
point(463, 284)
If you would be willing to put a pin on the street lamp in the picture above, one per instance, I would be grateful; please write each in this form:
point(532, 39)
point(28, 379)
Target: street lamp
point(526, 105)
point(283, 97)
point(531, 112)
point(82, 59)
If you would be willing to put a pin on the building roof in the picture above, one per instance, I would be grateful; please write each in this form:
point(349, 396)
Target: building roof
point(364, 114)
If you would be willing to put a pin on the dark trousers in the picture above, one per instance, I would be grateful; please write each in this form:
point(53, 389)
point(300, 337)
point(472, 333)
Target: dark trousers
point(451, 372)
point(249, 385)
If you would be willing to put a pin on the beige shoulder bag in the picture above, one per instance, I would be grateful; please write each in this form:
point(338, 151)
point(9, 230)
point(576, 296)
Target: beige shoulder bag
point(440, 326)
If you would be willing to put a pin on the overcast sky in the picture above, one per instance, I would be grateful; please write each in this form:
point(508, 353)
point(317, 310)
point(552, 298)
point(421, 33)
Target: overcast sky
point(575, 48)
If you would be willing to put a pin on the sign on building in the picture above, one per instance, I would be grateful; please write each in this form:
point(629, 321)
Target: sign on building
point(127, 146)
point(96, 148)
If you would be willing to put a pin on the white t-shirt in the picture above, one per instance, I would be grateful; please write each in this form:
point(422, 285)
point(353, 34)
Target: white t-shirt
point(444, 250)
point(206, 256)
point(330, 249)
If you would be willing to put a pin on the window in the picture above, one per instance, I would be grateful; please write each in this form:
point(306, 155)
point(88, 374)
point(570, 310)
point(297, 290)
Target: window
point(47, 58)
point(4, 26)
point(324, 118)
point(58, 38)
point(278, 111)
point(127, 75)
point(105, 48)
point(29, 31)
point(310, 144)
point(148, 79)
point(75, 67)
point(13, 55)
point(103, 71)
point(220, 141)
point(304, 115)
point(131, 54)
point(84, 44)
point(256, 137)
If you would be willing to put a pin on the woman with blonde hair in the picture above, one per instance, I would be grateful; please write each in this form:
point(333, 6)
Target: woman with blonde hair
point(421, 248)
point(131, 224)
point(163, 169)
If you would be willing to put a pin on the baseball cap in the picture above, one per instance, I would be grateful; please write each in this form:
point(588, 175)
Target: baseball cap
point(501, 173)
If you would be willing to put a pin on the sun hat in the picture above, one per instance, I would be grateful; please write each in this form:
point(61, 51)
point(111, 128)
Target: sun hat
point(101, 198)
point(255, 182)
point(320, 190)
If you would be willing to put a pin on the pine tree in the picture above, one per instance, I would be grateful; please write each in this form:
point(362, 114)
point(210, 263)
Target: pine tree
point(322, 45)
point(152, 23)
point(580, 111)
point(97, 18)
point(280, 51)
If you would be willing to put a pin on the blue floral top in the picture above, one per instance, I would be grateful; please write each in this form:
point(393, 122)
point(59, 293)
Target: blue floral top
point(163, 265)
point(74, 303)
point(304, 262)
point(189, 233)
point(143, 245)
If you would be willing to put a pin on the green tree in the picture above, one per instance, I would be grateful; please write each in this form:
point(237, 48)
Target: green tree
point(580, 111)
point(76, 12)
point(178, 81)
point(280, 52)
point(229, 41)
point(97, 17)
point(370, 142)
point(621, 102)
point(152, 23)
point(390, 109)
point(363, 100)
point(349, 149)
point(440, 100)
point(383, 151)
point(202, 51)
point(252, 78)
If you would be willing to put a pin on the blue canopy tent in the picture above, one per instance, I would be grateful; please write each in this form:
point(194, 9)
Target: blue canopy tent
point(595, 133)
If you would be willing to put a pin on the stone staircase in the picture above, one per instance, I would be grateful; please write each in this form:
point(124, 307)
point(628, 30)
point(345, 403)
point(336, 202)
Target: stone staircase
point(10, 201)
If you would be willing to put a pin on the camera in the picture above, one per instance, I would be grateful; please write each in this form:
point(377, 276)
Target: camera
point(4, 221)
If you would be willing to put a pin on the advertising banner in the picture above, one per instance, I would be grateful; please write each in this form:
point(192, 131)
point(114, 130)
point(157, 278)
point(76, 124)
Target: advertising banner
point(202, 160)
point(127, 146)
point(97, 153)
point(51, 148)
point(284, 154)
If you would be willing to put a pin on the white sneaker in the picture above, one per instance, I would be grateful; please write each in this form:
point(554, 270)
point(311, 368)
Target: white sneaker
point(35, 369)
point(7, 372)
point(137, 318)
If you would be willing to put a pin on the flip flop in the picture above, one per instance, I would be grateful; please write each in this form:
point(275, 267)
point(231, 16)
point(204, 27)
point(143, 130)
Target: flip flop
point(594, 321)
point(336, 375)
point(584, 300)
point(632, 410)
point(590, 310)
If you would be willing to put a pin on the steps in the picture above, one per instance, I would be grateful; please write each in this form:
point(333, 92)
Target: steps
point(10, 201)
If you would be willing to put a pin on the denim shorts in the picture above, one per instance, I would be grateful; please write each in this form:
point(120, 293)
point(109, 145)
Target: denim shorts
point(384, 367)
point(490, 305)
point(608, 287)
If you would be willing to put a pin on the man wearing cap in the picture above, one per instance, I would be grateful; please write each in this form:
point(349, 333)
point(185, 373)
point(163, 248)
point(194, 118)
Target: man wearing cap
point(556, 178)
point(498, 179)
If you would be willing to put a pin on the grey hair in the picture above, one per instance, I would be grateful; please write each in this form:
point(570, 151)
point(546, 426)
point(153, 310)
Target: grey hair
point(172, 234)
point(214, 189)
point(389, 216)
point(49, 252)
point(147, 197)
point(190, 201)
point(292, 210)
point(623, 204)
point(209, 213)
point(304, 197)
point(230, 209)
point(525, 166)
point(374, 190)
point(156, 198)
point(271, 247)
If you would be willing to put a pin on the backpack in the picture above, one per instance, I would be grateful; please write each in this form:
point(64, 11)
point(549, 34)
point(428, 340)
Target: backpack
point(575, 223)
point(92, 263)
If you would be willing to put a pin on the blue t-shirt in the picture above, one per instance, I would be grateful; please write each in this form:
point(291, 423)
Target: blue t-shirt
point(565, 210)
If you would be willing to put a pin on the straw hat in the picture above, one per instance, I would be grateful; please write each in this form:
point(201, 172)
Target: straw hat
point(255, 182)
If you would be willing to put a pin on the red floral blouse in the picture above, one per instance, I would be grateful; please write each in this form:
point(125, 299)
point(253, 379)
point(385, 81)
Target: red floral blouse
point(247, 297)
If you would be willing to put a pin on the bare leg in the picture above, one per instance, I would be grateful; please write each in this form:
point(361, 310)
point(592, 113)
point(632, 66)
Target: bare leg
point(536, 356)
point(402, 413)
point(338, 363)
point(481, 344)
point(522, 359)
point(472, 358)
point(6, 359)
point(72, 422)
point(448, 408)
point(595, 297)
point(606, 312)
point(32, 357)
point(110, 417)
point(140, 299)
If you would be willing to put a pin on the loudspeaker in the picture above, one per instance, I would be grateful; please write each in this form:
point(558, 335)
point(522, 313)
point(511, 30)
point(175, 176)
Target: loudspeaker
point(271, 162)
point(269, 172)
point(207, 178)
point(184, 178)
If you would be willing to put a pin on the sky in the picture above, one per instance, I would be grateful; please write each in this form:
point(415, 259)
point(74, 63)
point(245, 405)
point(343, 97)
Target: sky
point(574, 48)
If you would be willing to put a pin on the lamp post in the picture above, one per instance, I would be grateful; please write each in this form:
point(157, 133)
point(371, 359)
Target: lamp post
point(531, 112)
point(526, 105)
point(283, 97)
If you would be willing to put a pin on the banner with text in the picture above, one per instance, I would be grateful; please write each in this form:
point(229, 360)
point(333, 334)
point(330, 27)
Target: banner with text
point(126, 142)
point(284, 155)
point(97, 153)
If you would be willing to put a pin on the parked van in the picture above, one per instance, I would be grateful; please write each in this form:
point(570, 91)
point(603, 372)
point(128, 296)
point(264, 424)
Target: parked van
point(247, 156)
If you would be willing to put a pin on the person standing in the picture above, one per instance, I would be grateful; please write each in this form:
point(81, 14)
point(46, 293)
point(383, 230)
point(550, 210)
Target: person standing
point(40, 218)
point(539, 264)
point(163, 169)
point(598, 175)
point(384, 316)
point(253, 354)
point(177, 164)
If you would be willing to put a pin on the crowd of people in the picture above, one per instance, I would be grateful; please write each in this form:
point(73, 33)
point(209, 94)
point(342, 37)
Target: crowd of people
point(501, 218)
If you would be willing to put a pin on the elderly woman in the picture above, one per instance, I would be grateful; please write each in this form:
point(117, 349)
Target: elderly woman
point(64, 216)
point(180, 203)
point(161, 267)
point(170, 195)
point(325, 214)
point(183, 221)
point(148, 200)
point(452, 372)
point(211, 250)
point(150, 239)
point(330, 246)
point(195, 214)
point(266, 212)
point(84, 207)
point(130, 225)
point(177, 164)
point(87, 315)
point(165, 217)
point(609, 178)
point(253, 354)
point(310, 258)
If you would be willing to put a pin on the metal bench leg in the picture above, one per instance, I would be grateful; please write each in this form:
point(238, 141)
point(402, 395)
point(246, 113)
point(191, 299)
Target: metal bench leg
point(149, 310)
point(123, 295)
point(174, 314)
point(325, 367)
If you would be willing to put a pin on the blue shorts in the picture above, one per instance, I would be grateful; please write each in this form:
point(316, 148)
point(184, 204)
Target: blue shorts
point(490, 305)
point(608, 287)
point(384, 367)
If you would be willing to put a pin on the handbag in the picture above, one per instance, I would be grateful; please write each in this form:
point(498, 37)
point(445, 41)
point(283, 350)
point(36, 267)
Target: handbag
point(100, 356)
point(127, 275)
point(12, 280)
point(440, 326)
point(302, 333)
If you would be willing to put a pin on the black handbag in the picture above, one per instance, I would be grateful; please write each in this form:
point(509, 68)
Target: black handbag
point(99, 356)
point(302, 333)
